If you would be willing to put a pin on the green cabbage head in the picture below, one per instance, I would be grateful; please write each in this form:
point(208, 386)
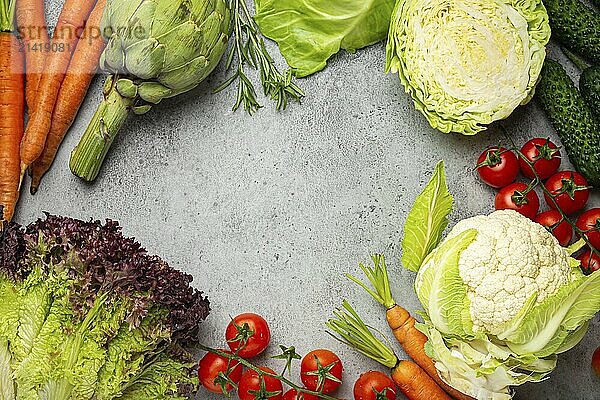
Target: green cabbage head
point(467, 63)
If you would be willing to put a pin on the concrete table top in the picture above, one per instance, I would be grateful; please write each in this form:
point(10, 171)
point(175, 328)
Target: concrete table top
point(269, 212)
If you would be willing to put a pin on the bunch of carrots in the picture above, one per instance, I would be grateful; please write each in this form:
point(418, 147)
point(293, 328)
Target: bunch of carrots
point(418, 380)
point(49, 75)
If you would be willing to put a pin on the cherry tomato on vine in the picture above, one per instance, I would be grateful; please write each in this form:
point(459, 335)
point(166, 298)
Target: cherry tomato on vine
point(248, 334)
point(250, 386)
point(211, 365)
point(590, 262)
point(596, 361)
point(589, 221)
point(570, 189)
point(554, 222)
point(321, 371)
point(543, 154)
point(515, 197)
point(374, 385)
point(497, 167)
point(292, 394)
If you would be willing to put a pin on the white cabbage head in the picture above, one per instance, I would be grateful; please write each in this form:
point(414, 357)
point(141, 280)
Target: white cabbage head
point(467, 63)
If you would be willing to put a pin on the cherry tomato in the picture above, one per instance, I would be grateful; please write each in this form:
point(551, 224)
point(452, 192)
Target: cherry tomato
point(372, 383)
point(250, 386)
point(292, 394)
point(589, 262)
point(497, 167)
point(321, 371)
point(590, 221)
point(513, 197)
point(543, 154)
point(596, 361)
point(211, 365)
point(248, 335)
point(554, 222)
point(570, 189)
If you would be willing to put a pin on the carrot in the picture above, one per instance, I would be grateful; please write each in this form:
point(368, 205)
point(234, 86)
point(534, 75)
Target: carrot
point(412, 380)
point(74, 87)
point(415, 383)
point(402, 323)
point(66, 34)
point(12, 108)
point(31, 25)
point(413, 342)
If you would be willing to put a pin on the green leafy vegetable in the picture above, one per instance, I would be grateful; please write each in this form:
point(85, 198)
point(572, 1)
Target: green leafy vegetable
point(467, 63)
point(427, 220)
point(309, 32)
point(88, 314)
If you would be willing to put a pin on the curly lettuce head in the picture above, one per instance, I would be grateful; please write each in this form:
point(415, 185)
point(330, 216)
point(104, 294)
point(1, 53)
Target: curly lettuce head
point(467, 63)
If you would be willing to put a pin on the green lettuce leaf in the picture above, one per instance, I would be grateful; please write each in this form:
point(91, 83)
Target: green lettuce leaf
point(162, 380)
point(7, 385)
point(426, 220)
point(309, 32)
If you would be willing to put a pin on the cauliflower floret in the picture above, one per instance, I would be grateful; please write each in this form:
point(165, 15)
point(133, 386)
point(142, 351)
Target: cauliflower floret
point(511, 258)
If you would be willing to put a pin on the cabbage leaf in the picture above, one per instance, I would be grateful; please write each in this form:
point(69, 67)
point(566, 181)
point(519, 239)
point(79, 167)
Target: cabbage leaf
point(309, 32)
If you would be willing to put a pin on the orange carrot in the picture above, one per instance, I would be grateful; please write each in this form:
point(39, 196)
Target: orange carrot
point(402, 323)
point(12, 108)
point(415, 383)
point(64, 40)
point(31, 25)
point(413, 342)
point(74, 87)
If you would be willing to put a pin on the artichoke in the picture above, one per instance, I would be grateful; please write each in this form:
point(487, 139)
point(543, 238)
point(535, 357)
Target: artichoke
point(155, 49)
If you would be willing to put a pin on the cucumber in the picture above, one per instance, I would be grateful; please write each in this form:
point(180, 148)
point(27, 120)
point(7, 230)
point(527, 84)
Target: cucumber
point(576, 26)
point(573, 120)
point(589, 85)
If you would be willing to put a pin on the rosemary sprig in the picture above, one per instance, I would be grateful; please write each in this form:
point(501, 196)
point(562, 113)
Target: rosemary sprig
point(248, 49)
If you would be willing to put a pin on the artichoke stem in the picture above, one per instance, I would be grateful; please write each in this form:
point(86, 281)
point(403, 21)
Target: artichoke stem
point(88, 156)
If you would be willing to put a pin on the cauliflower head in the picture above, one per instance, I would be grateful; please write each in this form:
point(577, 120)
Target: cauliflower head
point(501, 297)
point(511, 259)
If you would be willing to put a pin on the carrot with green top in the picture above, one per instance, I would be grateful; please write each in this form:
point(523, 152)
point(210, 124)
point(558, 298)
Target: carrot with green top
point(80, 73)
point(411, 379)
point(31, 25)
point(12, 108)
point(402, 323)
point(64, 40)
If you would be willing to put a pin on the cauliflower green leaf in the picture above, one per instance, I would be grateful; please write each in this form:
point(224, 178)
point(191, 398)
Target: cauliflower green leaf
point(426, 220)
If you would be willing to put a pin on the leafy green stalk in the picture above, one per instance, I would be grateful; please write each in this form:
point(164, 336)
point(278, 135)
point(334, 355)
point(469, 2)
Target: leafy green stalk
point(7, 15)
point(378, 276)
point(249, 49)
point(426, 220)
point(348, 328)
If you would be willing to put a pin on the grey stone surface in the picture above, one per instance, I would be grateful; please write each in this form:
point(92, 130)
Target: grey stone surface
point(269, 212)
